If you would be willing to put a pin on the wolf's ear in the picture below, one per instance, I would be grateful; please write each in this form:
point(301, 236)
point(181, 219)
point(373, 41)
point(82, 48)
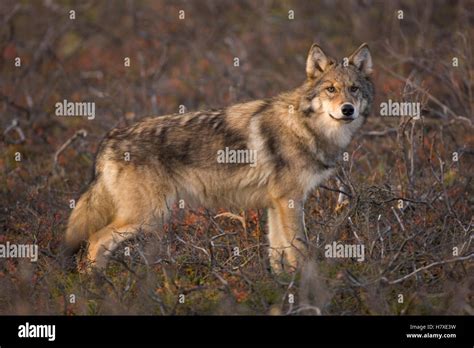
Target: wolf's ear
point(362, 59)
point(317, 62)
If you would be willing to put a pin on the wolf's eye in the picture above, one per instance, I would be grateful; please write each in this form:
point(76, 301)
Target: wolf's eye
point(331, 89)
point(354, 89)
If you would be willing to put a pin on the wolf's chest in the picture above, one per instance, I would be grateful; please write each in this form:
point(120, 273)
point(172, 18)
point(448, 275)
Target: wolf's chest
point(309, 180)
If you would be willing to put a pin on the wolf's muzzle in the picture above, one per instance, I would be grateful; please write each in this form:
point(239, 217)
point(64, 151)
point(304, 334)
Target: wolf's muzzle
point(347, 112)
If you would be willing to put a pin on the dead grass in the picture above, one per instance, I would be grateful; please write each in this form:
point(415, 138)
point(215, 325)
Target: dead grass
point(410, 204)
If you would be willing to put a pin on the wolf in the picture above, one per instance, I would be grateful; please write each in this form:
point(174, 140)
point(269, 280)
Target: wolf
point(142, 170)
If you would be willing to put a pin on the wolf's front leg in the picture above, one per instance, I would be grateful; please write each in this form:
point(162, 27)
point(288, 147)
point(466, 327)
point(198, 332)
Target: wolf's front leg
point(286, 235)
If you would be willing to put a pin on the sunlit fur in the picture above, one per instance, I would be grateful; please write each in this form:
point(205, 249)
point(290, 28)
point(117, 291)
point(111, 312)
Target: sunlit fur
point(174, 158)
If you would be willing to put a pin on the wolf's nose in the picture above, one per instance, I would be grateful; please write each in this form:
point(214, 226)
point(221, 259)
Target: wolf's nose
point(347, 110)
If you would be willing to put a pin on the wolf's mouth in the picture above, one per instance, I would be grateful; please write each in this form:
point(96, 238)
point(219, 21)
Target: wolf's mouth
point(343, 119)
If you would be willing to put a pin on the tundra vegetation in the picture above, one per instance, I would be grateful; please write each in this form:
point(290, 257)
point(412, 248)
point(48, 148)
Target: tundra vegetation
point(403, 190)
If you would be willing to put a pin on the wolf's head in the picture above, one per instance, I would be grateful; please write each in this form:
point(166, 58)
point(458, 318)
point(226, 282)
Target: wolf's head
point(337, 95)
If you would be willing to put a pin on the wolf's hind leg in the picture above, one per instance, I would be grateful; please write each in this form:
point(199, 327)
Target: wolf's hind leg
point(142, 199)
point(103, 243)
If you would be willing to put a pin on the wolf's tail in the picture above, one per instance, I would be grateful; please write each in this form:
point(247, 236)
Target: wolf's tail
point(93, 211)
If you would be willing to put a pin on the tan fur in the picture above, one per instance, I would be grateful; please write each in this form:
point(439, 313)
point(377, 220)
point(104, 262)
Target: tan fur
point(298, 137)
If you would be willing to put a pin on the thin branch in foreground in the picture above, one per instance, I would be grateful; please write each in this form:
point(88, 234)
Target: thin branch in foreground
point(80, 132)
point(398, 219)
point(396, 281)
point(380, 133)
point(14, 126)
point(335, 190)
point(402, 78)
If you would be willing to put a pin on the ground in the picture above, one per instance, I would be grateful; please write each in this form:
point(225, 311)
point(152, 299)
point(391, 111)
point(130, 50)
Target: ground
point(408, 183)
